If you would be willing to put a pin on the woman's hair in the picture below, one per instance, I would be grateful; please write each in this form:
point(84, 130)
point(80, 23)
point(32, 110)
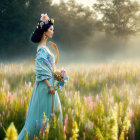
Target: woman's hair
point(43, 25)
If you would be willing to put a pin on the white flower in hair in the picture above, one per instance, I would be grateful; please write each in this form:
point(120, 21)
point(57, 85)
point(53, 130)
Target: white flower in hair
point(41, 24)
point(52, 20)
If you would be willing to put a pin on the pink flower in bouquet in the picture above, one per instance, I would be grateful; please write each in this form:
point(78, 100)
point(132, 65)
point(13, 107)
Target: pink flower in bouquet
point(63, 73)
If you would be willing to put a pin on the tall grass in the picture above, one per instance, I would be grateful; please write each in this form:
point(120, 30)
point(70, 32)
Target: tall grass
point(99, 102)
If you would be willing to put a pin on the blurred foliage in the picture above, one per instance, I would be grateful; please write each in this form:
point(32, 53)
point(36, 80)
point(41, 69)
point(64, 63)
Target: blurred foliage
point(75, 25)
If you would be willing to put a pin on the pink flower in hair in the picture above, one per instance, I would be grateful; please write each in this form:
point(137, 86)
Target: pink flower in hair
point(44, 17)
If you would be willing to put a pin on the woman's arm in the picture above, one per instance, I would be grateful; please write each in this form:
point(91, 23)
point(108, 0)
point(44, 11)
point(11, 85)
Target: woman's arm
point(57, 57)
point(50, 87)
point(56, 50)
point(47, 82)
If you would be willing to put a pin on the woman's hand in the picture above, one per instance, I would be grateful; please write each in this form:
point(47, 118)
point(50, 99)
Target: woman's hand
point(53, 45)
point(52, 90)
point(56, 50)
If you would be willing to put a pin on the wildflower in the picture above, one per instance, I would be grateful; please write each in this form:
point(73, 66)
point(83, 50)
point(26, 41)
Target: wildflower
point(65, 129)
point(75, 130)
point(66, 119)
point(11, 133)
point(130, 114)
point(21, 101)
point(9, 95)
point(47, 128)
point(43, 122)
point(89, 99)
point(87, 126)
point(44, 118)
point(97, 97)
point(42, 127)
point(52, 114)
point(84, 136)
point(92, 124)
point(111, 100)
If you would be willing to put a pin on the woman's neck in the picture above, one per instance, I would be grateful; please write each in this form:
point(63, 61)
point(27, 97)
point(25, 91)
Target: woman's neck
point(43, 41)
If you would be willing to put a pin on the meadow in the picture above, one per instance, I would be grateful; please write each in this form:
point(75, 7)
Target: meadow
point(99, 102)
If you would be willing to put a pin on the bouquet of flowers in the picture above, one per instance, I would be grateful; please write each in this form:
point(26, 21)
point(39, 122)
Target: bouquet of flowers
point(60, 79)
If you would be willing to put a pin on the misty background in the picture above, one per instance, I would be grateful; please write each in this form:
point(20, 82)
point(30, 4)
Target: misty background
point(110, 30)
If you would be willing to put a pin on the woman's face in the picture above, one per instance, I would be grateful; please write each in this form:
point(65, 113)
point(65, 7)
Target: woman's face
point(50, 31)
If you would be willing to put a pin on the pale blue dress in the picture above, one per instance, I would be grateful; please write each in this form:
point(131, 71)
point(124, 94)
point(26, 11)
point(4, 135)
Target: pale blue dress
point(41, 99)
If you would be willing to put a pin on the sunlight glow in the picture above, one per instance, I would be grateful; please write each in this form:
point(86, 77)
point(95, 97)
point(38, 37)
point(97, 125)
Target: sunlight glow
point(84, 2)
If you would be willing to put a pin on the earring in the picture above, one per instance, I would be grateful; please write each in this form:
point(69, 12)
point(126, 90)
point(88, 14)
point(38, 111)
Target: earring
point(44, 36)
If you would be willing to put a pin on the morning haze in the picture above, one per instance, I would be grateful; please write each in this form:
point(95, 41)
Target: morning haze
point(81, 36)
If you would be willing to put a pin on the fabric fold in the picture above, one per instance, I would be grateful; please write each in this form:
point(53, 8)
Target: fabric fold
point(43, 68)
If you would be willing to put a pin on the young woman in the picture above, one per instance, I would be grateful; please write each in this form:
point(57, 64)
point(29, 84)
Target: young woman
point(41, 98)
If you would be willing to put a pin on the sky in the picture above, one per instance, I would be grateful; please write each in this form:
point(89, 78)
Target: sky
point(84, 2)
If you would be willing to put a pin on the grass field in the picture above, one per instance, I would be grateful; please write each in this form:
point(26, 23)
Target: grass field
point(99, 102)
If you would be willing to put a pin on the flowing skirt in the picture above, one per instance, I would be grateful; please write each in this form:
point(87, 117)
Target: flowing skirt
point(40, 101)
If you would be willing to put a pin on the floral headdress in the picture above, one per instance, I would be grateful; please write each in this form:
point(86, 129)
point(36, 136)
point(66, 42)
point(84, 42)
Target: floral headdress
point(44, 20)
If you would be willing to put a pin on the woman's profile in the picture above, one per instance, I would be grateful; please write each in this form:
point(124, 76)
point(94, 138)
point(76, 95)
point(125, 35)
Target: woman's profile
point(41, 99)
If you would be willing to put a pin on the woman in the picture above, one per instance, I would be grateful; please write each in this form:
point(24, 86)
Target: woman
point(41, 99)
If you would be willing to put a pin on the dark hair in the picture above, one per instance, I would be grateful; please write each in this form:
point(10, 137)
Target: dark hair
point(37, 34)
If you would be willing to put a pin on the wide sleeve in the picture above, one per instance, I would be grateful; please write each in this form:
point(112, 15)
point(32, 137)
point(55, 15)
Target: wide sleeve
point(43, 68)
